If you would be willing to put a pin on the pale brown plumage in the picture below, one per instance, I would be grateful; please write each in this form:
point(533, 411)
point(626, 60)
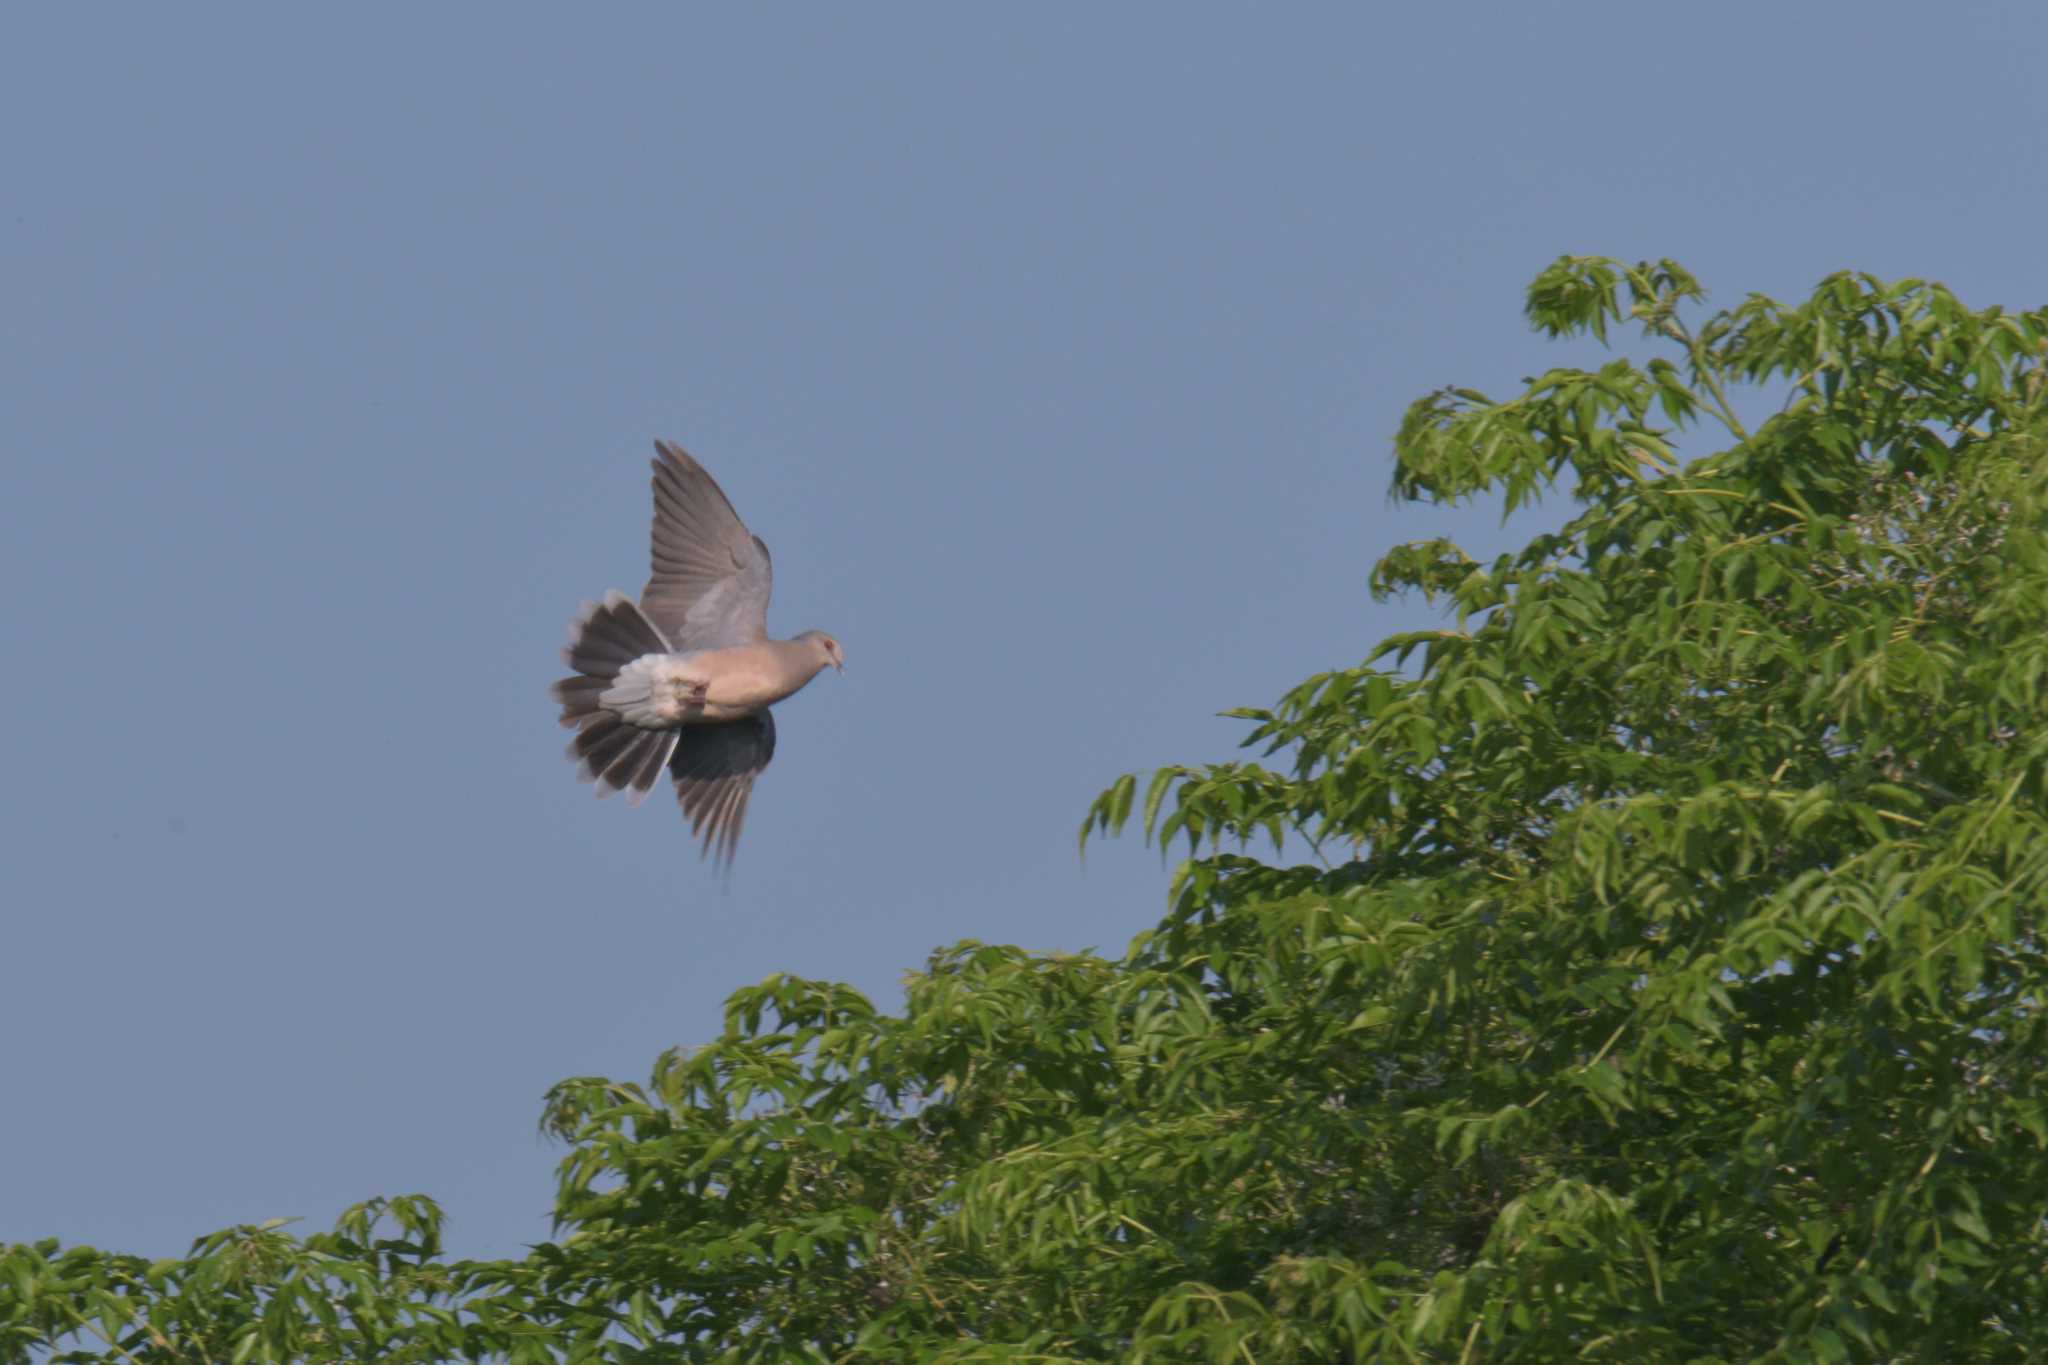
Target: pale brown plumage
point(684, 679)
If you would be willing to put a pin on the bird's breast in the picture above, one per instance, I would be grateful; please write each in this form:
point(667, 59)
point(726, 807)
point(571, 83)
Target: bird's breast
point(739, 681)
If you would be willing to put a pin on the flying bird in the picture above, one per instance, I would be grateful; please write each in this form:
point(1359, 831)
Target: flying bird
point(683, 679)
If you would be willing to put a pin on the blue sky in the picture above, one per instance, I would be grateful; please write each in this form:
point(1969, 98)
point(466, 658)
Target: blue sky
point(1053, 349)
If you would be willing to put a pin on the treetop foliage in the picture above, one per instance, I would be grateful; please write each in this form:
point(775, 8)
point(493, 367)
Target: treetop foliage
point(1666, 982)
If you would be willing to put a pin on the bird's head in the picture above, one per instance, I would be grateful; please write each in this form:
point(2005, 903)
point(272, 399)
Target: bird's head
point(828, 649)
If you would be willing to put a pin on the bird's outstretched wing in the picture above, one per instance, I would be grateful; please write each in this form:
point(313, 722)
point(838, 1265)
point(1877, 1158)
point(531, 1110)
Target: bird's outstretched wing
point(714, 767)
point(711, 575)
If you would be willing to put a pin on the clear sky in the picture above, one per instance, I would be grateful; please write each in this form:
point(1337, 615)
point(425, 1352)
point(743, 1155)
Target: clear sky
point(1054, 349)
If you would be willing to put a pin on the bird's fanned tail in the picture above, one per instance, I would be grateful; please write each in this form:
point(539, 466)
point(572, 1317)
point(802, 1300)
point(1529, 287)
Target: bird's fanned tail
point(604, 638)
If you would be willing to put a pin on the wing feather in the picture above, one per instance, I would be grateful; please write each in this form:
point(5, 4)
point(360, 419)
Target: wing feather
point(714, 767)
point(711, 576)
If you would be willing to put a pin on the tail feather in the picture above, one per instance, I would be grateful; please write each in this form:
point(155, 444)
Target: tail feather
point(621, 757)
point(603, 639)
point(579, 696)
point(654, 763)
point(611, 634)
point(597, 744)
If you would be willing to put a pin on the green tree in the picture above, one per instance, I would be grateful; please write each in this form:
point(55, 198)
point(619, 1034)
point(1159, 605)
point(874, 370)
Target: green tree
point(1666, 984)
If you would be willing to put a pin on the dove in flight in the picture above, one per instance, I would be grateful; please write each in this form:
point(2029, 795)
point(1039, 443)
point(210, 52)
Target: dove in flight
point(683, 679)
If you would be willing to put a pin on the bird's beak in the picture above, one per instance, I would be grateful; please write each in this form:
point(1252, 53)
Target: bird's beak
point(840, 666)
